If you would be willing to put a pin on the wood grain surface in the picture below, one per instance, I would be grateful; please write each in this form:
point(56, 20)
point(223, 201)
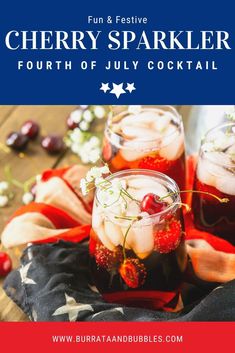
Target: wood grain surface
point(23, 167)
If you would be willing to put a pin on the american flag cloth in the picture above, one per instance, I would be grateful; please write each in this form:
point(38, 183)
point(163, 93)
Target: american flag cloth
point(54, 274)
point(59, 211)
point(54, 283)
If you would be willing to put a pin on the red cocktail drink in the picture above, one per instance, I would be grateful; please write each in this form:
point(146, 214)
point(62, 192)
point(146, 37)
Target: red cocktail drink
point(137, 245)
point(146, 138)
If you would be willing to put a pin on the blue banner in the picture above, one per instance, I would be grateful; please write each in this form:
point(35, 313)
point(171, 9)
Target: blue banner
point(123, 52)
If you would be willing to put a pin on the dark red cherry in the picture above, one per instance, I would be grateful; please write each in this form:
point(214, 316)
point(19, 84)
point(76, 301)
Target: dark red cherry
point(17, 141)
point(151, 204)
point(5, 264)
point(53, 144)
point(31, 129)
point(71, 124)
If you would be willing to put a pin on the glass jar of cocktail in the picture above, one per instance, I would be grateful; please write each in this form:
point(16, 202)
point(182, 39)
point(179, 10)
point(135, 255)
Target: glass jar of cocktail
point(146, 138)
point(215, 174)
point(137, 244)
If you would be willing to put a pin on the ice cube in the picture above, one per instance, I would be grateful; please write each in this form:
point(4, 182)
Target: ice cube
point(172, 144)
point(146, 117)
point(231, 149)
point(219, 158)
point(132, 209)
point(231, 152)
point(141, 133)
point(226, 184)
point(131, 120)
point(97, 216)
point(131, 150)
point(213, 174)
point(141, 182)
point(104, 238)
point(204, 174)
point(221, 140)
point(114, 233)
point(162, 123)
point(141, 240)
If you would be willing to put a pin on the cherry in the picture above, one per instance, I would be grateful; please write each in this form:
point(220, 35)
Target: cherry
point(151, 204)
point(53, 144)
point(17, 141)
point(5, 264)
point(71, 124)
point(31, 129)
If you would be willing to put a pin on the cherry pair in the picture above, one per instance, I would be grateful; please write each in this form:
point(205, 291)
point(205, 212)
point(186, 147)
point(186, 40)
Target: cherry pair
point(18, 141)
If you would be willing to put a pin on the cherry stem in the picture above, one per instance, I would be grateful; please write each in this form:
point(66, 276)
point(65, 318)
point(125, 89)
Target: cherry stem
point(223, 200)
point(124, 240)
point(129, 218)
point(133, 219)
point(188, 208)
point(129, 195)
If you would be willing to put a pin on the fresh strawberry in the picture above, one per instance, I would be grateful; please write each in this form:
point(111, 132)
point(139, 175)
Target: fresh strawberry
point(107, 259)
point(168, 239)
point(155, 163)
point(133, 273)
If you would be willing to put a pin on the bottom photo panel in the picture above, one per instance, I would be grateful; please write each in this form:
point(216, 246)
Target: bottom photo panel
point(117, 213)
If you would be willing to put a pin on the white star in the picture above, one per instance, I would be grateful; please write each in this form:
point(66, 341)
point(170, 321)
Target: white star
point(72, 308)
point(93, 288)
point(117, 89)
point(120, 310)
point(23, 274)
point(104, 87)
point(130, 87)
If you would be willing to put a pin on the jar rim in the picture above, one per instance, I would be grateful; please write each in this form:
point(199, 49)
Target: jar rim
point(113, 136)
point(171, 184)
point(211, 132)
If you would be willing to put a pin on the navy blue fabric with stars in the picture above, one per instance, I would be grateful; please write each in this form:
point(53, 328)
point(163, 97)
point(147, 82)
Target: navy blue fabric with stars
point(54, 283)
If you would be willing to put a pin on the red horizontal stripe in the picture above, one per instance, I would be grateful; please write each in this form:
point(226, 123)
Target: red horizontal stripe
point(75, 235)
point(58, 217)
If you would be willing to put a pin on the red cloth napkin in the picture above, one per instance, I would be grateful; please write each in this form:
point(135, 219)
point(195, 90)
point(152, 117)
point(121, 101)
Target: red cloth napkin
point(61, 212)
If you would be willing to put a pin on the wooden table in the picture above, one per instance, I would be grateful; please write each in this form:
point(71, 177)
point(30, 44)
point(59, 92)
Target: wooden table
point(32, 162)
point(24, 166)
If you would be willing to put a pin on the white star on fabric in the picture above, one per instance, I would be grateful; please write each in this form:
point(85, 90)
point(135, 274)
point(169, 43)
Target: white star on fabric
point(118, 90)
point(72, 308)
point(23, 274)
point(104, 87)
point(130, 87)
point(120, 310)
point(93, 288)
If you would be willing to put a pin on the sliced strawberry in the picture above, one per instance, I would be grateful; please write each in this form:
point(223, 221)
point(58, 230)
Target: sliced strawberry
point(133, 273)
point(107, 259)
point(168, 239)
point(155, 163)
